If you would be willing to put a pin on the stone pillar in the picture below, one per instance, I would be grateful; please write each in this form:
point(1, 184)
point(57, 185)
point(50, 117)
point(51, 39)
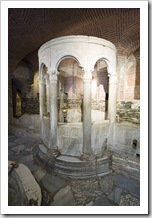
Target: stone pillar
point(53, 110)
point(87, 150)
point(48, 95)
point(42, 97)
point(112, 107)
point(42, 104)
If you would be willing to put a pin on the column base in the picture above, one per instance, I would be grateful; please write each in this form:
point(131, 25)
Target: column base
point(85, 157)
point(54, 152)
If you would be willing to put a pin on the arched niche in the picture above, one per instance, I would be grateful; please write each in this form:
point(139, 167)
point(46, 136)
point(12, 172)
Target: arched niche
point(36, 85)
point(100, 91)
point(70, 89)
point(18, 106)
point(42, 89)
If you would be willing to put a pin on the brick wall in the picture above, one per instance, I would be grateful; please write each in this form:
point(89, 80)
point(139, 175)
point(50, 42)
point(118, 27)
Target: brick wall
point(128, 93)
point(128, 69)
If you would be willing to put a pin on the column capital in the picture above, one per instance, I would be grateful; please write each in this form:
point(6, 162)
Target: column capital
point(52, 75)
point(87, 74)
point(113, 78)
point(42, 82)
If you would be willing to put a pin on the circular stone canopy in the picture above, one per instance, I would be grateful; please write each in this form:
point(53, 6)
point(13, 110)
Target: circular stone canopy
point(86, 50)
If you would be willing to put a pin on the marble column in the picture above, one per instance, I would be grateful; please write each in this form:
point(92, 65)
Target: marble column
point(42, 97)
point(87, 150)
point(53, 109)
point(112, 106)
point(48, 95)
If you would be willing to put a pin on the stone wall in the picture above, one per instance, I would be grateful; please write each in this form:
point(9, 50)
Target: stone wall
point(128, 68)
point(30, 105)
point(128, 111)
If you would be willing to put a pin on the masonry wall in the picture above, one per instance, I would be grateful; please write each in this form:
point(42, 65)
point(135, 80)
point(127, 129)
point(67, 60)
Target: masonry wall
point(128, 95)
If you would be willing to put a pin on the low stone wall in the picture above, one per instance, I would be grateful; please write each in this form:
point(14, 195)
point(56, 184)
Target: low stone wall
point(31, 121)
point(128, 111)
point(129, 167)
point(71, 167)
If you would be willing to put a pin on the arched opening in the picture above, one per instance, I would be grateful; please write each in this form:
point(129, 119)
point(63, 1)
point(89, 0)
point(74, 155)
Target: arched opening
point(36, 85)
point(18, 108)
point(43, 79)
point(70, 91)
point(100, 91)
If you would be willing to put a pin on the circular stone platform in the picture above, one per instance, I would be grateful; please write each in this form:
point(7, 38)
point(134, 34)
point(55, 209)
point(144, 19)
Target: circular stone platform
point(69, 166)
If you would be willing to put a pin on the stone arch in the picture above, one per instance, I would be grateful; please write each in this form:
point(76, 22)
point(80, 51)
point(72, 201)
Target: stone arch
point(65, 55)
point(110, 64)
point(100, 91)
point(70, 88)
point(42, 73)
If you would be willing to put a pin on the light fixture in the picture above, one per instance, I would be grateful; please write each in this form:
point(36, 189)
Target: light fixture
point(64, 112)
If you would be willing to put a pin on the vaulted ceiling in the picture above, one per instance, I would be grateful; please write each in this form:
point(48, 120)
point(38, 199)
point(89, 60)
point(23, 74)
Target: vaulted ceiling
point(29, 28)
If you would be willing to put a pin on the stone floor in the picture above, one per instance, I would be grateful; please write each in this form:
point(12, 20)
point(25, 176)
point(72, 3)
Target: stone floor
point(111, 190)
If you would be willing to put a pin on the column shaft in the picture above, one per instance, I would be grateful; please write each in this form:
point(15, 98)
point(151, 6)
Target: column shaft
point(112, 108)
point(42, 97)
point(48, 96)
point(87, 150)
point(112, 99)
point(53, 112)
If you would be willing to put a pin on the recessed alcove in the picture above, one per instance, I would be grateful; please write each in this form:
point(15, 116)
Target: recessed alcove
point(100, 92)
point(70, 90)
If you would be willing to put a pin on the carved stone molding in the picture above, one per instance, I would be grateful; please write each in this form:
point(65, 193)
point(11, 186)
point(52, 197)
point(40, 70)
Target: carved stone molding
point(87, 74)
point(52, 76)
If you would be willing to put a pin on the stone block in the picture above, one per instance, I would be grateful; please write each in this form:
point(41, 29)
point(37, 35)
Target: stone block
point(26, 159)
point(111, 196)
point(102, 201)
point(129, 184)
point(52, 183)
point(64, 197)
point(29, 184)
point(18, 148)
point(39, 175)
point(106, 183)
point(117, 194)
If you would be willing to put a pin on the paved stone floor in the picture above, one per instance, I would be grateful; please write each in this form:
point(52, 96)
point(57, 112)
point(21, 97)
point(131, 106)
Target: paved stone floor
point(111, 190)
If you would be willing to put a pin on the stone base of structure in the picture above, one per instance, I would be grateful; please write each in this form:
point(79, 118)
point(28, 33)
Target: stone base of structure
point(71, 167)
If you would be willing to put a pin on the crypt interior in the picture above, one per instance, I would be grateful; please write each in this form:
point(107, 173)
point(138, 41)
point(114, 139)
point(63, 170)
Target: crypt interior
point(74, 107)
